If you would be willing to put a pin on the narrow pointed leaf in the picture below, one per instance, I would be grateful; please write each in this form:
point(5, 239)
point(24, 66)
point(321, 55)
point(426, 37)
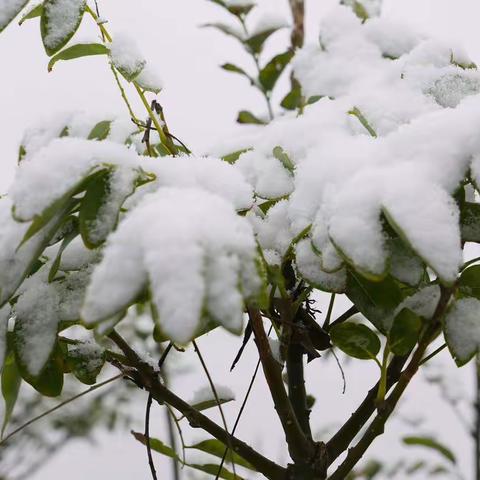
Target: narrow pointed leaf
point(432, 444)
point(271, 72)
point(10, 11)
point(35, 12)
point(11, 381)
point(77, 51)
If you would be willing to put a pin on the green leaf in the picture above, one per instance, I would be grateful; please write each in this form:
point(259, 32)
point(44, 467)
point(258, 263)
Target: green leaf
point(33, 13)
point(230, 67)
point(100, 131)
point(375, 300)
point(50, 381)
point(280, 154)
point(247, 117)
point(11, 381)
point(238, 10)
point(10, 11)
point(233, 157)
point(360, 11)
point(255, 43)
point(156, 445)
point(66, 240)
point(404, 332)
point(470, 222)
point(271, 72)
point(77, 51)
point(226, 29)
point(469, 282)
point(212, 469)
point(355, 340)
point(55, 33)
point(85, 363)
point(357, 113)
point(217, 448)
point(432, 444)
point(206, 404)
point(293, 99)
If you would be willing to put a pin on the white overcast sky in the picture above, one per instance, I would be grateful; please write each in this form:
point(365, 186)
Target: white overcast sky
point(201, 102)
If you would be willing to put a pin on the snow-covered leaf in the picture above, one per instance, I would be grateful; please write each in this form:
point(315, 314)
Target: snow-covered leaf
point(126, 57)
point(462, 329)
point(193, 252)
point(9, 9)
point(59, 21)
point(11, 381)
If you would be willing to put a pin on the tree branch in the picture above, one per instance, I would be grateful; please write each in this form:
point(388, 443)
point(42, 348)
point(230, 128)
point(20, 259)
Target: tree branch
point(145, 376)
point(300, 448)
point(377, 426)
point(298, 31)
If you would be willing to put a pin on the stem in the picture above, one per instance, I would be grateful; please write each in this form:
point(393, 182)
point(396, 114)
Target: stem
point(298, 31)
point(344, 316)
point(147, 378)
point(60, 405)
point(217, 399)
point(382, 387)
point(329, 312)
point(124, 96)
point(296, 387)
point(377, 426)
point(300, 448)
point(433, 354)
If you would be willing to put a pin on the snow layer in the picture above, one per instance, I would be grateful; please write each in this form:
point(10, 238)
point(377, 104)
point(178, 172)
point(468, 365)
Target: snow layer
point(126, 56)
point(194, 252)
point(205, 394)
point(63, 17)
point(462, 328)
point(8, 10)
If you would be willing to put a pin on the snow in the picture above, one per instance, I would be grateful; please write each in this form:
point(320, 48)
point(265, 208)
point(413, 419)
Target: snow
point(9, 10)
point(205, 394)
point(40, 308)
point(58, 167)
point(268, 21)
point(63, 17)
point(309, 265)
point(194, 252)
point(462, 328)
point(126, 56)
point(149, 80)
point(4, 316)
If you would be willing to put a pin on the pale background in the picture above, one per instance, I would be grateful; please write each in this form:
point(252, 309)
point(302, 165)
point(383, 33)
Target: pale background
point(201, 102)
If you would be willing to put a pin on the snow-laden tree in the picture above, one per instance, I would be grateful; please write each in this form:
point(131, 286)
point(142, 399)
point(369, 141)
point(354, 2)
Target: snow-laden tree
point(365, 185)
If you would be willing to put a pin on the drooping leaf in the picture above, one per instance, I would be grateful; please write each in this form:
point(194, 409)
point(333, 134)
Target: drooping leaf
point(230, 67)
point(77, 51)
point(206, 404)
point(86, 361)
point(432, 444)
point(59, 21)
point(66, 240)
point(404, 332)
point(470, 222)
point(11, 381)
point(100, 131)
point(9, 11)
point(156, 445)
point(375, 300)
point(212, 469)
point(361, 118)
point(273, 69)
point(226, 29)
point(355, 340)
point(461, 328)
point(255, 42)
point(217, 448)
point(293, 99)
point(35, 12)
point(469, 282)
point(247, 117)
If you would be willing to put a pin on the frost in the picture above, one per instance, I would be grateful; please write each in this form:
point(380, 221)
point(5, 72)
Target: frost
point(309, 265)
point(126, 56)
point(462, 329)
point(63, 17)
point(194, 252)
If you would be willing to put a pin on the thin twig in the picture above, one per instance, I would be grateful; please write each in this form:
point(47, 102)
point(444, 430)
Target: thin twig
point(60, 405)
point(329, 312)
point(217, 399)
